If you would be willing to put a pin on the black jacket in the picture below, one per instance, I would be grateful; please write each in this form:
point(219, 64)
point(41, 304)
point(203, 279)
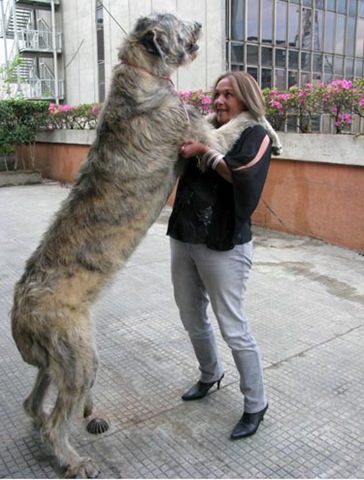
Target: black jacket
point(210, 210)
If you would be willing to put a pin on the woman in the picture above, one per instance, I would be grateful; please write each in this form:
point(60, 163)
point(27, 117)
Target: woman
point(211, 244)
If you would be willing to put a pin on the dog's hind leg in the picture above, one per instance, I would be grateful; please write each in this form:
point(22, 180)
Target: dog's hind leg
point(88, 406)
point(33, 405)
point(55, 433)
point(73, 370)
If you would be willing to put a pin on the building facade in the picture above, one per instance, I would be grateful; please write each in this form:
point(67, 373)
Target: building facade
point(291, 42)
point(280, 42)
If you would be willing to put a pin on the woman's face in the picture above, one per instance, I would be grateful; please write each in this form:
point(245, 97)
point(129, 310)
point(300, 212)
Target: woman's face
point(226, 103)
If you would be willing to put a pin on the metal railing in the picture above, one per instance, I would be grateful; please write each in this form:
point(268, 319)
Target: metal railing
point(38, 40)
point(44, 89)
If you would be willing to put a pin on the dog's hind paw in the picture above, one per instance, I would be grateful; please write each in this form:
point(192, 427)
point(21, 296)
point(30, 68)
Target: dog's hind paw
point(84, 469)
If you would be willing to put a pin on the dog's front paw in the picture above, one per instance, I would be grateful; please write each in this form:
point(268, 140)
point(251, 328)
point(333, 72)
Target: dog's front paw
point(84, 469)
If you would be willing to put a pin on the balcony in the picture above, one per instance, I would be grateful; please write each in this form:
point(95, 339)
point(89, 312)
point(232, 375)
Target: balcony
point(38, 4)
point(42, 89)
point(38, 43)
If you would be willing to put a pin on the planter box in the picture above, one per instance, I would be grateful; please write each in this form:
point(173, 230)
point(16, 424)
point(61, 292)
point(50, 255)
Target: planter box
point(20, 177)
point(315, 189)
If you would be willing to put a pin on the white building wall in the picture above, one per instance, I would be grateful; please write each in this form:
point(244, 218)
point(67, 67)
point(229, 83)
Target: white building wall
point(80, 51)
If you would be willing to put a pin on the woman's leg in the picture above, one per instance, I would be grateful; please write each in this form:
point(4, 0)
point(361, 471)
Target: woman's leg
point(225, 276)
point(192, 302)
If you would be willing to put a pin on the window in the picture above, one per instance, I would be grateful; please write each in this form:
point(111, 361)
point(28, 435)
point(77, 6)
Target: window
point(319, 4)
point(252, 54)
point(339, 36)
point(292, 79)
point(281, 23)
point(289, 42)
point(253, 19)
point(350, 37)
point(306, 28)
point(317, 62)
point(305, 78)
point(318, 31)
point(305, 61)
point(292, 59)
point(237, 20)
point(267, 57)
point(352, 7)
point(293, 26)
point(349, 68)
point(267, 21)
point(237, 53)
point(328, 64)
point(339, 67)
point(341, 6)
point(280, 79)
point(281, 56)
point(359, 50)
point(329, 33)
point(266, 81)
point(253, 72)
point(359, 68)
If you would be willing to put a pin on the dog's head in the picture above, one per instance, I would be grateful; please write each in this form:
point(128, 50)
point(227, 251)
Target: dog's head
point(167, 40)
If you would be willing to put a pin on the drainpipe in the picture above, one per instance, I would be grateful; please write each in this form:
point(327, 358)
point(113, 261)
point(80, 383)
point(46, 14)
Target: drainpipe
point(54, 46)
point(3, 26)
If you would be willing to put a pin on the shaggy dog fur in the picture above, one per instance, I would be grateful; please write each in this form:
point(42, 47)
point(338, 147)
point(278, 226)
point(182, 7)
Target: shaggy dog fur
point(120, 191)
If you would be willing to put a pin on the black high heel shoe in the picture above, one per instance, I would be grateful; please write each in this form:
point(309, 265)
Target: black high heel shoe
point(248, 424)
point(200, 389)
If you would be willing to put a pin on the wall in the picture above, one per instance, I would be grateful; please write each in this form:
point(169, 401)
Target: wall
point(316, 189)
point(319, 200)
point(80, 50)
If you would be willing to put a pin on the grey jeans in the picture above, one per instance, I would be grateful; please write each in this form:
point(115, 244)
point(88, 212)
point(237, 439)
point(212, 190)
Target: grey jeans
point(200, 275)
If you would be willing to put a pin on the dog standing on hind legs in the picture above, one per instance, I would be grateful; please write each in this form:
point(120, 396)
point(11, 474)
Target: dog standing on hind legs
point(120, 191)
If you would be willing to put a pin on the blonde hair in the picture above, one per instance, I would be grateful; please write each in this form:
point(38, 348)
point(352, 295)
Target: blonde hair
point(247, 91)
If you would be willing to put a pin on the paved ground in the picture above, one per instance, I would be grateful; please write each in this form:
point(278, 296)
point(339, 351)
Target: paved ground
point(306, 305)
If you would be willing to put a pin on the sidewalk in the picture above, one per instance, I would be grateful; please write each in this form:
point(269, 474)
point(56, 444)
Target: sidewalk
point(306, 306)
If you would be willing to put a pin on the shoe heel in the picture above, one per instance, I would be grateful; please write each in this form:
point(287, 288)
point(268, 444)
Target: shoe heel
point(219, 381)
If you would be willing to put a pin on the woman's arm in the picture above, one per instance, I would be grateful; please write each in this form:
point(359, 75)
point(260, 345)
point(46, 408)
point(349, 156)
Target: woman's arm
point(194, 148)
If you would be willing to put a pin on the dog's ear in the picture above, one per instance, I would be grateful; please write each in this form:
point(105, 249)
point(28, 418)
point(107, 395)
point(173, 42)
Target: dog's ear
point(153, 43)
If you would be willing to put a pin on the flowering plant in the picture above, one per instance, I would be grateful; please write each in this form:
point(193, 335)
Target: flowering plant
point(277, 105)
point(81, 117)
point(200, 99)
point(340, 99)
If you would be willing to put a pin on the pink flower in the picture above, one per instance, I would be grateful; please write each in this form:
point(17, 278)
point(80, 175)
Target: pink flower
point(53, 108)
point(361, 102)
point(275, 103)
point(345, 117)
point(95, 110)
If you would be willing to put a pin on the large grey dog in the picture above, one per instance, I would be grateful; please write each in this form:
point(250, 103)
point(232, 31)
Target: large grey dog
point(120, 191)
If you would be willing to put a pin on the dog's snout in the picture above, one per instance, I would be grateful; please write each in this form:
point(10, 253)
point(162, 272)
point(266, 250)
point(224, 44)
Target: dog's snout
point(198, 25)
point(193, 48)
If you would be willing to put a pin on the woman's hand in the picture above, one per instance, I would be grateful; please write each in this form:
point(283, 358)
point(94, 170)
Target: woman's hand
point(192, 148)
